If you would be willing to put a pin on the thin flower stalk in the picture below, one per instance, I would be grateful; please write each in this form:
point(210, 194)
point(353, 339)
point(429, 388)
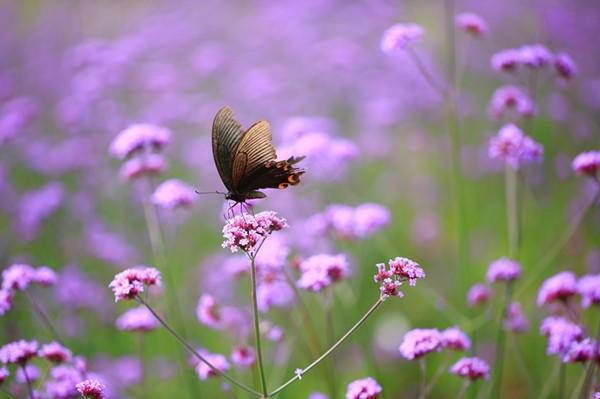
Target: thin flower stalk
point(512, 211)
point(463, 389)
point(422, 378)
point(501, 343)
point(28, 381)
point(306, 369)
point(562, 376)
point(43, 317)
point(259, 362)
point(195, 352)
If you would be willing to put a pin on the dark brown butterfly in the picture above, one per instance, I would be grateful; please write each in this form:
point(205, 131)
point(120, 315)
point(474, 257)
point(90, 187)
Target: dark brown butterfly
point(246, 160)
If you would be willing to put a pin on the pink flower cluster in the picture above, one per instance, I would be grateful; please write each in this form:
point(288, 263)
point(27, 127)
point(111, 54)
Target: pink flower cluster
point(559, 287)
point(244, 232)
point(17, 277)
point(211, 314)
point(91, 389)
point(366, 388)
point(172, 194)
point(243, 356)
point(137, 319)
point(421, 341)
point(503, 269)
point(400, 36)
point(514, 148)
point(456, 339)
point(587, 163)
point(472, 368)
point(321, 271)
point(589, 288)
point(478, 294)
point(471, 23)
point(219, 361)
point(130, 282)
point(581, 351)
point(534, 56)
point(516, 321)
point(138, 137)
point(351, 223)
point(511, 100)
point(400, 270)
point(18, 352)
point(55, 353)
point(561, 333)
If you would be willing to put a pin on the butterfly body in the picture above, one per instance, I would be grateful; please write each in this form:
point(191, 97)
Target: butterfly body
point(247, 161)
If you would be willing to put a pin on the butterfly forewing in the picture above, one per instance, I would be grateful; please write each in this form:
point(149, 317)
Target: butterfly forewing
point(254, 150)
point(227, 134)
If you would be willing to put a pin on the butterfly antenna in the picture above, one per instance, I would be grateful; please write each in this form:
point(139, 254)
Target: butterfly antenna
point(209, 192)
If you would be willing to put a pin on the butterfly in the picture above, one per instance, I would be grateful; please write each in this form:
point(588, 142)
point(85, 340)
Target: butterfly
point(247, 161)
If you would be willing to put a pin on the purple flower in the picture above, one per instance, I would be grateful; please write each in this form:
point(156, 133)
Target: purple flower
point(478, 294)
point(243, 356)
point(503, 269)
point(217, 360)
point(406, 269)
point(399, 36)
point(366, 388)
point(321, 271)
point(31, 374)
point(130, 282)
point(558, 287)
point(471, 23)
point(109, 246)
point(565, 66)
point(137, 137)
point(506, 60)
point(6, 300)
point(18, 352)
point(273, 291)
point(356, 223)
point(456, 339)
point(419, 342)
point(318, 395)
point(173, 194)
point(511, 99)
point(17, 277)
point(15, 116)
point(580, 351)
point(55, 353)
point(44, 276)
point(211, 314)
point(587, 163)
point(516, 321)
point(535, 56)
point(514, 148)
point(63, 380)
point(137, 319)
point(472, 368)
point(245, 232)
point(37, 205)
point(147, 165)
point(4, 374)
point(589, 288)
point(91, 389)
point(561, 334)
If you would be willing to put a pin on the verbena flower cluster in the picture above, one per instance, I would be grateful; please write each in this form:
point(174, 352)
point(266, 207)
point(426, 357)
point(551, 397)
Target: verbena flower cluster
point(245, 232)
point(131, 282)
point(398, 270)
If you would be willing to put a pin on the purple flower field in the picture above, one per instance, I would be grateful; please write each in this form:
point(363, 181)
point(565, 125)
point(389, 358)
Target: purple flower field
point(431, 222)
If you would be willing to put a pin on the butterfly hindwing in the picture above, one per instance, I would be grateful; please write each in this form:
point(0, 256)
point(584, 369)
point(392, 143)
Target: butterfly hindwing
point(255, 149)
point(227, 134)
point(273, 174)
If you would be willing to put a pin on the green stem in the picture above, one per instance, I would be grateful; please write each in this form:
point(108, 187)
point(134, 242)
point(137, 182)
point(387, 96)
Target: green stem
point(331, 349)
point(423, 378)
point(43, 317)
point(259, 363)
point(500, 343)
point(562, 379)
point(512, 211)
point(463, 389)
point(195, 352)
point(27, 380)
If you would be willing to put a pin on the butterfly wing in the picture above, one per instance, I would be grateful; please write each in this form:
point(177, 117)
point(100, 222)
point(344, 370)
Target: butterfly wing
point(255, 165)
point(227, 134)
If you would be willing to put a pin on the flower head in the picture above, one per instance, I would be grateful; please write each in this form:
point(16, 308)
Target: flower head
point(503, 269)
point(354, 223)
point(516, 321)
point(400, 270)
point(243, 356)
point(509, 100)
point(321, 271)
point(130, 282)
point(580, 351)
point(456, 339)
point(558, 287)
point(148, 165)
point(91, 389)
point(564, 66)
point(45, 276)
point(471, 23)
point(366, 388)
point(399, 36)
point(561, 334)
point(17, 277)
point(173, 193)
point(55, 353)
point(4, 374)
point(18, 352)
point(244, 232)
point(137, 319)
point(217, 360)
point(419, 342)
point(506, 60)
point(514, 148)
point(472, 368)
point(478, 294)
point(406, 269)
point(6, 300)
point(587, 163)
point(589, 289)
point(535, 56)
point(137, 137)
